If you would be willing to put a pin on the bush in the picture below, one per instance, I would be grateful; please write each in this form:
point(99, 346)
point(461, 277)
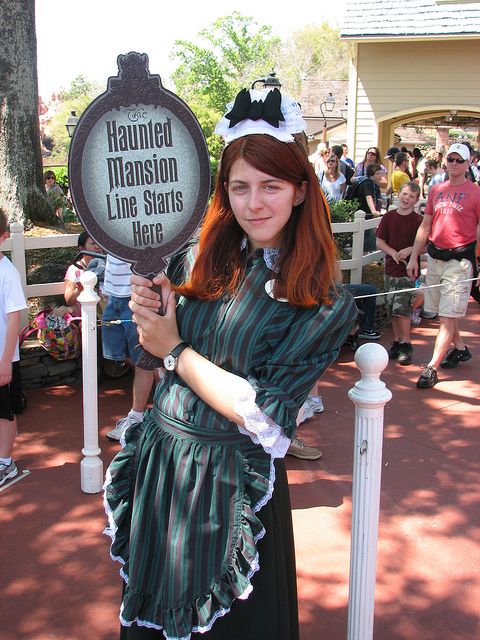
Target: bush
point(56, 200)
point(69, 215)
point(343, 211)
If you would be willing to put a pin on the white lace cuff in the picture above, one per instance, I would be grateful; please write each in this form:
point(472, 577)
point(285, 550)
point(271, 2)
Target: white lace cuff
point(258, 426)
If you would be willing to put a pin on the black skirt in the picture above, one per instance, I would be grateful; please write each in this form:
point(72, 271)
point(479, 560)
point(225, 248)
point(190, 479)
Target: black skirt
point(271, 610)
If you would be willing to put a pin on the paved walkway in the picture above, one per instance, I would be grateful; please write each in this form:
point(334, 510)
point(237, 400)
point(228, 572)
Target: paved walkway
point(57, 581)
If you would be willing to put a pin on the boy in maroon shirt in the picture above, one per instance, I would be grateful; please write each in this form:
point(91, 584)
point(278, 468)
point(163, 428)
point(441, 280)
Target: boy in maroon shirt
point(395, 237)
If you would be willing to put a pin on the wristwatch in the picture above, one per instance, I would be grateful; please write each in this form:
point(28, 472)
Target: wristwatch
point(170, 360)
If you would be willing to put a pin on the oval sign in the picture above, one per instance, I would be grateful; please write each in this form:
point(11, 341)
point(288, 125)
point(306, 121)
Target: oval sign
point(139, 168)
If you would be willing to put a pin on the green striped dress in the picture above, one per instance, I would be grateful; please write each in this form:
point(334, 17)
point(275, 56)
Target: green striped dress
point(184, 494)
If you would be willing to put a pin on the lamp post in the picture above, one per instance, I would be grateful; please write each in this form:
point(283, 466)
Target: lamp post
point(328, 104)
point(270, 82)
point(71, 123)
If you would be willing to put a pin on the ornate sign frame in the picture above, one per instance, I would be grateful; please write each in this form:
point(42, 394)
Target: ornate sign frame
point(169, 128)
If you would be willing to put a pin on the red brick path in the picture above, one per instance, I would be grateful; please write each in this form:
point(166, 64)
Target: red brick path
point(57, 581)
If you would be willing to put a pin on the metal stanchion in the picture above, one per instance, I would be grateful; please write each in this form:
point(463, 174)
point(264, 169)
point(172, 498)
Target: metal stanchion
point(91, 467)
point(369, 396)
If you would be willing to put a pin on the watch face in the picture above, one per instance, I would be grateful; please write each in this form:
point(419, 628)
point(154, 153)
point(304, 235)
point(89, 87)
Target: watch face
point(169, 362)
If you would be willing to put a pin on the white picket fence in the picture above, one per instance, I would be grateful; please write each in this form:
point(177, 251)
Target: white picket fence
point(358, 260)
point(19, 244)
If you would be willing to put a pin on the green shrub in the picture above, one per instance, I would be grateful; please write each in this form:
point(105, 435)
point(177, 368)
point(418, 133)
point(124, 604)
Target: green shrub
point(343, 211)
point(56, 200)
point(69, 215)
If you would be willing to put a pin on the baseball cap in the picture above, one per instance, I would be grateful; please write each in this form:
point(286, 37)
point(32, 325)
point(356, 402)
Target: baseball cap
point(462, 150)
point(392, 152)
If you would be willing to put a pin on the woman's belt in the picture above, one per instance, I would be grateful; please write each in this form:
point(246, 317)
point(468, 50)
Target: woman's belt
point(185, 431)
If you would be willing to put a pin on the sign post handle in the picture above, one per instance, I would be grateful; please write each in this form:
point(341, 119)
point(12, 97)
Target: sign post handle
point(146, 360)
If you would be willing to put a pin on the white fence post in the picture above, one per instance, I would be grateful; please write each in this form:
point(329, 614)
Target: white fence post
point(369, 396)
point(18, 260)
point(357, 249)
point(91, 467)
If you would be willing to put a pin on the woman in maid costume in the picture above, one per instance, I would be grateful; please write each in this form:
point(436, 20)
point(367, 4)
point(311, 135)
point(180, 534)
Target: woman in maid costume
point(197, 499)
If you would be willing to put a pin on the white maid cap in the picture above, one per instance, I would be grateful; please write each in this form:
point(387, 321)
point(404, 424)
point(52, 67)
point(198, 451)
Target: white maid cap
point(261, 111)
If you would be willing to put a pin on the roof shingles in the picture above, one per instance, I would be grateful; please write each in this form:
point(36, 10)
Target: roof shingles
point(391, 18)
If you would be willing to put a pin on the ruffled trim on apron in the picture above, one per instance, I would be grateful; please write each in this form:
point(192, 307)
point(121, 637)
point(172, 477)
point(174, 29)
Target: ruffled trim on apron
point(198, 613)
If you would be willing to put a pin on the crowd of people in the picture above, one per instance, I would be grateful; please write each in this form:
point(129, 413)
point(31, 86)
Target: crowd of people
point(426, 167)
point(446, 235)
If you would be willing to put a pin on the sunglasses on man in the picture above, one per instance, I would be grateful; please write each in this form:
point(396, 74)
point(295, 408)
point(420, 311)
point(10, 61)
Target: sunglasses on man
point(457, 160)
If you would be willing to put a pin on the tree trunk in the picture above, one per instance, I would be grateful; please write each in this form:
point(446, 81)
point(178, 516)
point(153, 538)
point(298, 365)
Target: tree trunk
point(22, 192)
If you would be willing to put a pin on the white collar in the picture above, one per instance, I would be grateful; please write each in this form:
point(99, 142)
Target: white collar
point(271, 255)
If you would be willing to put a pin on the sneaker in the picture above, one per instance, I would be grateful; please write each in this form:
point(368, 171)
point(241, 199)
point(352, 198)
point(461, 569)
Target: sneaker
point(405, 351)
point(369, 334)
point(121, 426)
point(394, 350)
point(311, 406)
point(8, 471)
point(299, 449)
point(428, 378)
point(315, 403)
point(454, 356)
point(415, 317)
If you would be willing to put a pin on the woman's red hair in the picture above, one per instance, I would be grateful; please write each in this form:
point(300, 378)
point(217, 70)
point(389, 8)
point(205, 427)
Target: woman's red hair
point(308, 263)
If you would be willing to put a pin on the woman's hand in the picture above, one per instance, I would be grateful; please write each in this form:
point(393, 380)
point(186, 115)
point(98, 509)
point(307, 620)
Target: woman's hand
point(146, 292)
point(157, 334)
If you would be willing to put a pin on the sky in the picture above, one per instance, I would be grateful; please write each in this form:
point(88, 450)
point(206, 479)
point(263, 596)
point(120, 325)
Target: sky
point(85, 37)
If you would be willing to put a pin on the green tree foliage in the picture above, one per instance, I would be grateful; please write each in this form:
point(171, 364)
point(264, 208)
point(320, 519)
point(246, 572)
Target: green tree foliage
point(76, 98)
point(314, 52)
point(80, 88)
point(208, 119)
point(232, 52)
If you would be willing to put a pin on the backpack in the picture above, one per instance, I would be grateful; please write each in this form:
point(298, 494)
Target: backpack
point(347, 171)
point(57, 332)
point(352, 191)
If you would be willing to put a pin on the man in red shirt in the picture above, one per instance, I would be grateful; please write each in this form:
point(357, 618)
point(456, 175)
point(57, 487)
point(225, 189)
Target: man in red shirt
point(452, 227)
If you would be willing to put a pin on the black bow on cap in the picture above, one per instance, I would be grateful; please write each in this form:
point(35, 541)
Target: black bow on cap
point(268, 110)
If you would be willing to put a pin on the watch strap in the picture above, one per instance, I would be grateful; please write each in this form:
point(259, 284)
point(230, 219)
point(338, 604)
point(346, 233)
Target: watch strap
point(176, 351)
